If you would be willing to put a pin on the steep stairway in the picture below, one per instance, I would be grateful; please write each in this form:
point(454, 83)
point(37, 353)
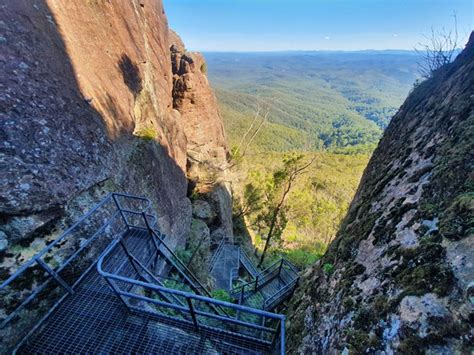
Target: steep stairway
point(248, 265)
point(108, 295)
point(226, 266)
point(270, 288)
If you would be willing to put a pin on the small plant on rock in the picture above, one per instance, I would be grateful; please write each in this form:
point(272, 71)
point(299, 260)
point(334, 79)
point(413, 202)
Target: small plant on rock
point(328, 268)
point(147, 133)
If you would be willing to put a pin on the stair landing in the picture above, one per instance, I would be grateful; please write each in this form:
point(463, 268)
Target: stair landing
point(94, 320)
point(227, 265)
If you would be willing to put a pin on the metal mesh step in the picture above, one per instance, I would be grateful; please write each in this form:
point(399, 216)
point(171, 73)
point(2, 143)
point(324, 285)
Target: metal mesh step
point(71, 308)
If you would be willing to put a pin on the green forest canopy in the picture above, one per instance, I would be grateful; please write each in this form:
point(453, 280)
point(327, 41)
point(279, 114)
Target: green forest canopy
point(320, 100)
point(332, 105)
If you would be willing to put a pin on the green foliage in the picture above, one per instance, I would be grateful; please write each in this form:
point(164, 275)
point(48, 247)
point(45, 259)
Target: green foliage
point(333, 102)
point(204, 68)
point(315, 206)
point(221, 295)
point(328, 268)
point(267, 198)
point(354, 150)
point(147, 133)
point(303, 258)
point(175, 285)
point(235, 155)
point(183, 254)
point(320, 100)
point(457, 221)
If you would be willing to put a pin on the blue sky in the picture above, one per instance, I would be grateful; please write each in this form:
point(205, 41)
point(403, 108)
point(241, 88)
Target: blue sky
point(269, 25)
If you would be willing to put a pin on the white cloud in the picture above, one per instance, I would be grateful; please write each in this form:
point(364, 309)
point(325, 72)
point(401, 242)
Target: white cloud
point(327, 38)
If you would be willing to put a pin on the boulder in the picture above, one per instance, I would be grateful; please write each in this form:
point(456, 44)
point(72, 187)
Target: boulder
point(199, 231)
point(204, 211)
point(218, 234)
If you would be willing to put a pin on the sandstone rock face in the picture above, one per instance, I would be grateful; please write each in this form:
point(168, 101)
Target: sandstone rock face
point(88, 107)
point(207, 151)
point(194, 99)
point(403, 259)
point(221, 198)
point(3, 241)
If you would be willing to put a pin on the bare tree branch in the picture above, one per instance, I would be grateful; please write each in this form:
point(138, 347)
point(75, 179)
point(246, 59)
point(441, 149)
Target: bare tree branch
point(257, 114)
point(264, 119)
point(438, 50)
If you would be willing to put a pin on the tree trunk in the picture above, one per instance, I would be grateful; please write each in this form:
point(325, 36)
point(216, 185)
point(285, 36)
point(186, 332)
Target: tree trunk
point(269, 237)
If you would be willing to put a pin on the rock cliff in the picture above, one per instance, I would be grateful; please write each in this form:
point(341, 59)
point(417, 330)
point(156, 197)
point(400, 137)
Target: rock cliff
point(90, 104)
point(207, 150)
point(399, 276)
point(194, 99)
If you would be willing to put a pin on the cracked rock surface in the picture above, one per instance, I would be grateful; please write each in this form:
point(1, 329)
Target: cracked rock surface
point(402, 261)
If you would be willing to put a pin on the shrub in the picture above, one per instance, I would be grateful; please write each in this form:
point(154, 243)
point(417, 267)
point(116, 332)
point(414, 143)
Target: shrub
point(221, 295)
point(328, 268)
point(147, 133)
point(302, 258)
point(183, 254)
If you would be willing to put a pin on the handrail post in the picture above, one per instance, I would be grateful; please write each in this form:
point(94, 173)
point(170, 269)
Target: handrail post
point(256, 283)
point(117, 203)
point(113, 286)
point(193, 314)
point(55, 276)
point(282, 336)
point(150, 231)
point(281, 265)
point(275, 337)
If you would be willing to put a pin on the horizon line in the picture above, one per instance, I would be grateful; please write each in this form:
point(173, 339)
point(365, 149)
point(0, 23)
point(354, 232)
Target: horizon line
point(303, 50)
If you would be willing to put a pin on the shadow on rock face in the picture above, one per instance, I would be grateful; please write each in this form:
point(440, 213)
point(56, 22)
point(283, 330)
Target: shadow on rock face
point(57, 148)
point(131, 74)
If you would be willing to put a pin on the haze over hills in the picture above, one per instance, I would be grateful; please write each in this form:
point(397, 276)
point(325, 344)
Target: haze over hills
point(320, 100)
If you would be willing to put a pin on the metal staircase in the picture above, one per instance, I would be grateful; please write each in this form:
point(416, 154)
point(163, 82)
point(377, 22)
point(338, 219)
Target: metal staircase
point(270, 288)
point(267, 290)
point(225, 268)
point(110, 284)
point(248, 264)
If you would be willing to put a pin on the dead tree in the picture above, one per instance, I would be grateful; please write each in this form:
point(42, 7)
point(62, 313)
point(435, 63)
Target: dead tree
point(438, 50)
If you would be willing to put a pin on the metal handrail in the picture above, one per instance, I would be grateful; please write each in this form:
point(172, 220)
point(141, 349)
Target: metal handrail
point(216, 254)
point(48, 248)
point(253, 286)
point(185, 270)
point(262, 275)
point(192, 280)
point(245, 260)
point(52, 274)
point(190, 310)
point(280, 294)
point(266, 276)
point(291, 266)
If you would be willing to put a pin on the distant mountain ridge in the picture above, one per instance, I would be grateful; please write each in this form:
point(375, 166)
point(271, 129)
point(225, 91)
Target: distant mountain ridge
point(321, 100)
point(401, 272)
point(321, 51)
